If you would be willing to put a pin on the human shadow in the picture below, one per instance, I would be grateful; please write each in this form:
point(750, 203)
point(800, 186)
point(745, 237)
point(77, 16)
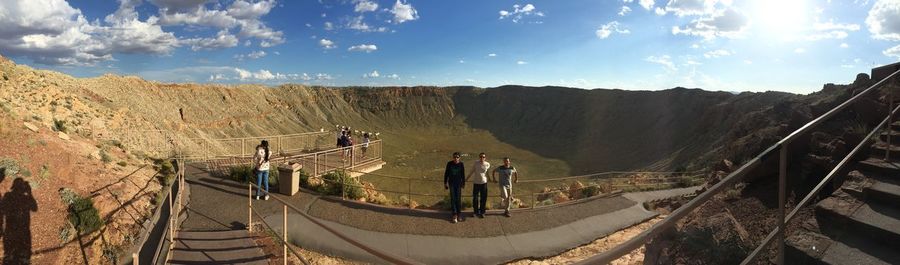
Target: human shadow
point(17, 205)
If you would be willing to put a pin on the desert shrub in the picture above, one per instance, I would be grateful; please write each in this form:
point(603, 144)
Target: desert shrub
point(338, 181)
point(104, 156)
point(122, 163)
point(246, 174)
point(5, 77)
point(590, 191)
point(59, 125)
point(304, 179)
point(9, 167)
point(83, 215)
point(165, 171)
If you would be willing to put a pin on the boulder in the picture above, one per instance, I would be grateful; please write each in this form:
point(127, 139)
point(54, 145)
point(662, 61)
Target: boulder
point(64, 136)
point(31, 127)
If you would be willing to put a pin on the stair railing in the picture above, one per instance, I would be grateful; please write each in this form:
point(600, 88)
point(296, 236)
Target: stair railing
point(782, 148)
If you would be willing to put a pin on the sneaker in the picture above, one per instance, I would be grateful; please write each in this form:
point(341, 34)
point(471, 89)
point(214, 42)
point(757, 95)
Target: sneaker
point(257, 197)
point(506, 213)
point(455, 219)
point(267, 197)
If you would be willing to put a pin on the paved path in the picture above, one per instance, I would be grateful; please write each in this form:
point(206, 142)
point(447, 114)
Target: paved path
point(424, 236)
point(218, 247)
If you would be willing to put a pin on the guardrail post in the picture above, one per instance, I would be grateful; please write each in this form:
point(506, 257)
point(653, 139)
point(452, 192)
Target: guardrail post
point(782, 185)
point(249, 207)
point(243, 145)
point(134, 259)
point(533, 200)
point(315, 165)
point(409, 193)
point(284, 234)
point(171, 222)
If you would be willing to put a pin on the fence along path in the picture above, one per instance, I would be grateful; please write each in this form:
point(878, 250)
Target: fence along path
point(161, 143)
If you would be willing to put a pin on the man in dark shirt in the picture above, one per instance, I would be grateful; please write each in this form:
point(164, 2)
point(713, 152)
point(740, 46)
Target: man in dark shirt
point(455, 180)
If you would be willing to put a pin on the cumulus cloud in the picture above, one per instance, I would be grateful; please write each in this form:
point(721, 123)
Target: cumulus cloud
point(625, 10)
point(357, 23)
point(327, 44)
point(239, 14)
point(367, 48)
point(519, 12)
point(647, 4)
point(492, 55)
point(222, 40)
point(717, 53)
point(664, 60)
point(403, 12)
point(883, 20)
point(608, 29)
point(251, 55)
point(373, 74)
point(363, 6)
point(329, 26)
point(53, 32)
point(728, 23)
point(690, 7)
point(830, 30)
point(892, 52)
point(521, 62)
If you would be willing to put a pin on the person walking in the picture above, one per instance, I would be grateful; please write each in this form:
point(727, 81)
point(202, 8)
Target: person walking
point(455, 180)
point(508, 176)
point(479, 185)
point(261, 164)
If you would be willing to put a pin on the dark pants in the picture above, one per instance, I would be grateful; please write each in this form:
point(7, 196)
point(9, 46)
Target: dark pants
point(479, 202)
point(455, 201)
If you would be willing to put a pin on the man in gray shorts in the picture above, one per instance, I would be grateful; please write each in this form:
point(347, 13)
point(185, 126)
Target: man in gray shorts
point(508, 176)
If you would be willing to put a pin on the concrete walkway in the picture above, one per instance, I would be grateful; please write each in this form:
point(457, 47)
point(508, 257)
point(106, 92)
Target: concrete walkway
point(424, 236)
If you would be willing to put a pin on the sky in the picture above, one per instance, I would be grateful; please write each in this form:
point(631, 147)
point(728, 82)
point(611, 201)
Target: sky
point(783, 45)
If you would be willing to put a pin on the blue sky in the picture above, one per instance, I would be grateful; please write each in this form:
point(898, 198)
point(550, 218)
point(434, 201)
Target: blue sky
point(793, 46)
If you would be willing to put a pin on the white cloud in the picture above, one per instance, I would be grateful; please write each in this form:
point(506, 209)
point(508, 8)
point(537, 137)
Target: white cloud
point(647, 4)
point(728, 23)
point(717, 53)
point(664, 60)
point(845, 45)
point(245, 10)
point(53, 32)
point(884, 20)
point(243, 14)
point(830, 25)
point(691, 7)
point(225, 74)
point(830, 30)
point(625, 10)
point(367, 48)
point(222, 40)
point(392, 76)
point(837, 34)
point(365, 6)
point(492, 55)
point(373, 74)
point(607, 29)
point(357, 23)
point(519, 12)
point(521, 62)
point(327, 44)
point(892, 52)
point(800, 50)
point(329, 26)
point(462, 61)
point(251, 55)
point(659, 11)
point(403, 12)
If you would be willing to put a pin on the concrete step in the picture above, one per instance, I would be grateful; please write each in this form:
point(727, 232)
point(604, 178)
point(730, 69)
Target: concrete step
point(806, 247)
point(879, 147)
point(895, 135)
point(878, 165)
point(846, 216)
point(885, 190)
point(217, 247)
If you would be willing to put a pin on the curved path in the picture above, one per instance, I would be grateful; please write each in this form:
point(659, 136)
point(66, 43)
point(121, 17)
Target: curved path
point(424, 236)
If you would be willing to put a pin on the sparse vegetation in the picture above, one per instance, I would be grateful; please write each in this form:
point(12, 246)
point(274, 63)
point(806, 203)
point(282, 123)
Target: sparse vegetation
point(59, 126)
point(122, 163)
point(104, 156)
point(9, 167)
point(165, 171)
point(337, 182)
point(82, 213)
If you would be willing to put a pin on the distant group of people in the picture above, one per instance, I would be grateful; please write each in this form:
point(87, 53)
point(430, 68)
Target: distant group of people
point(345, 139)
point(455, 180)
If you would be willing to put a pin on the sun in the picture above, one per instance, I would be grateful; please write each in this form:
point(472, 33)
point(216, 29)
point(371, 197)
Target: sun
point(780, 18)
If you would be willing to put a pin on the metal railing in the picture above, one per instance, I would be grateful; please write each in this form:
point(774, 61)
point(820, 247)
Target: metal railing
point(782, 148)
point(167, 143)
point(389, 257)
point(318, 163)
point(174, 207)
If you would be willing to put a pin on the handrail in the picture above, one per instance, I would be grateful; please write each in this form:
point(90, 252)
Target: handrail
point(781, 146)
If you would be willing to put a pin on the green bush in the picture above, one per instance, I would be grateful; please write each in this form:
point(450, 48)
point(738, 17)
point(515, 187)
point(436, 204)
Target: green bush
point(590, 191)
point(59, 125)
point(105, 157)
point(165, 171)
point(304, 179)
point(338, 180)
point(83, 216)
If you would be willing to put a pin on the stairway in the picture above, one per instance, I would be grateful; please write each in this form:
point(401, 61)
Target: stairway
point(860, 222)
point(217, 247)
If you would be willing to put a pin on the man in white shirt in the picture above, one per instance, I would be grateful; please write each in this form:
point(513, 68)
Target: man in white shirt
point(479, 187)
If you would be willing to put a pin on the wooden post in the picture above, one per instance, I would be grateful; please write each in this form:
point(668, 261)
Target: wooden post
point(249, 207)
point(285, 233)
point(409, 193)
point(171, 223)
point(243, 145)
point(315, 165)
point(134, 259)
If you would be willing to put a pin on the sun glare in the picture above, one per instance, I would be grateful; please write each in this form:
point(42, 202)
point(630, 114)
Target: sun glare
point(780, 19)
